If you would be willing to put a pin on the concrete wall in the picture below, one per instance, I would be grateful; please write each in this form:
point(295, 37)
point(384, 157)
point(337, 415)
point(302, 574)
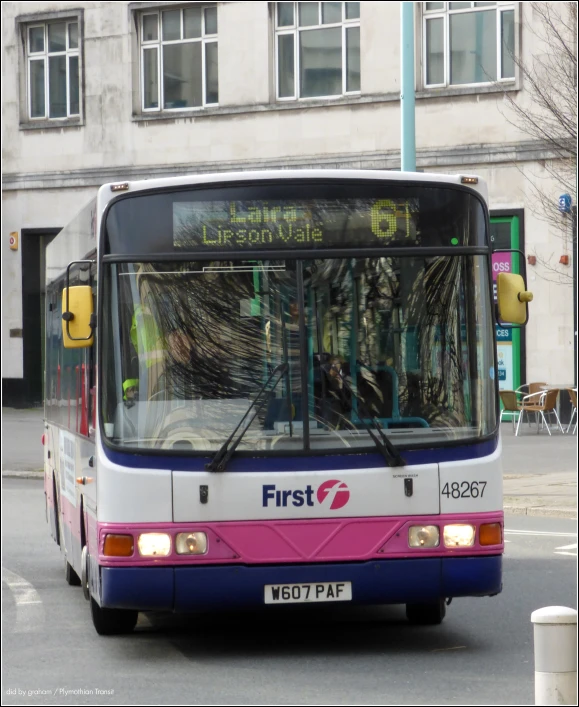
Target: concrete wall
point(50, 173)
point(21, 210)
point(249, 122)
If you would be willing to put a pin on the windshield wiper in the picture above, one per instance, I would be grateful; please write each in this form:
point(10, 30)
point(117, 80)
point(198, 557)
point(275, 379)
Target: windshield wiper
point(219, 461)
point(387, 449)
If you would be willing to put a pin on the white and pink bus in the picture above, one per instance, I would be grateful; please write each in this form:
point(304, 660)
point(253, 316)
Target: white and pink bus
point(277, 387)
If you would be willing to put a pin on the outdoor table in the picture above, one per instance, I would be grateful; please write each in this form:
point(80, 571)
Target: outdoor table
point(559, 387)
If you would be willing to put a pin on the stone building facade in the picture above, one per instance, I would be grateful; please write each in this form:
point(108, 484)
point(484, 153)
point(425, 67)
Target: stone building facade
point(102, 91)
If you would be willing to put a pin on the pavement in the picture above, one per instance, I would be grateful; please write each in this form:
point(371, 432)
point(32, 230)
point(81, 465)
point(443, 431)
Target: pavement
point(539, 472)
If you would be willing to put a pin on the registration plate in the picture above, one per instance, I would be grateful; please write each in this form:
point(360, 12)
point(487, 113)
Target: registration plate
point(303, 593)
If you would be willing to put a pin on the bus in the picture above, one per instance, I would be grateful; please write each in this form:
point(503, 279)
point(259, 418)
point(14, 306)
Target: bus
point(276, 388)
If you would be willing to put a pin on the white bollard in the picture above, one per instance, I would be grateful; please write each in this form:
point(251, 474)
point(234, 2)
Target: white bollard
point(555, 635)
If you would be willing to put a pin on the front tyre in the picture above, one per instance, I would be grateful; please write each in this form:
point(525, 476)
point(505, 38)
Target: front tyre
point(112, 622)
point(426, 614)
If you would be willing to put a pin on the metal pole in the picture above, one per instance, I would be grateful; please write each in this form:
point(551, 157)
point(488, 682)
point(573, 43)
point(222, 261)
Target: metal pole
point(555, 635)
point(408, 129)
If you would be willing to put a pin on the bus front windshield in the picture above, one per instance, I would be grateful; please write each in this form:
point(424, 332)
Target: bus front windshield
point(405, 342)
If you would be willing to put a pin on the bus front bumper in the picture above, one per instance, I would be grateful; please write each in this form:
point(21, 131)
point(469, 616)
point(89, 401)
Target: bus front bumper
point(202, 588)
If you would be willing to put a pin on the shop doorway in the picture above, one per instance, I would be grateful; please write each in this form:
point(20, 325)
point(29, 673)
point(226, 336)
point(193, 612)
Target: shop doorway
point(507, 232)
point(34, 242)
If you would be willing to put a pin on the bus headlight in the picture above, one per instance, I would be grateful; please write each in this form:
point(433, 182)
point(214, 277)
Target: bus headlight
point(423, 536)
point(458, 535)
point(191, 543)
point(154, 544)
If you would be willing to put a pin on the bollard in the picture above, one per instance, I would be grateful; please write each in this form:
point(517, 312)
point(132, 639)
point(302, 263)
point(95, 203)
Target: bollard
point(555, 635)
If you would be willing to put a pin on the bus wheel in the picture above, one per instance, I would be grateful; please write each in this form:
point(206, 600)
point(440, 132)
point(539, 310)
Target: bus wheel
point(111, 622)
point(70, 575)
point(426, 614)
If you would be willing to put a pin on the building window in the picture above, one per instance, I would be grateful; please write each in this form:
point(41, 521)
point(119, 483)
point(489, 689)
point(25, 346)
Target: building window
point(468, 43)
point(179, 58)
point(52, 55)
point(317, 49)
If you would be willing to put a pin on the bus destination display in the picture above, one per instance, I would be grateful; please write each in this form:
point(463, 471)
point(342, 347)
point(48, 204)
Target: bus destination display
point(316, 223)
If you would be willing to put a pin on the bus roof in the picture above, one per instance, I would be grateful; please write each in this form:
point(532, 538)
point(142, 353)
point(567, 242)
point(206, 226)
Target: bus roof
point(76, 241)
point(106, 192)
point(78, 238)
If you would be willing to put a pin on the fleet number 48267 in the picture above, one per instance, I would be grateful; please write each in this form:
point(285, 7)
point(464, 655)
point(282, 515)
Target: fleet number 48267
point(464, 489)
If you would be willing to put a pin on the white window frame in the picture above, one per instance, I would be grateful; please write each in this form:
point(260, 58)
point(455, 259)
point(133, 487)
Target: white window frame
point(44, 56)
point(159, 43)
point(295, 30)
point(444, 13)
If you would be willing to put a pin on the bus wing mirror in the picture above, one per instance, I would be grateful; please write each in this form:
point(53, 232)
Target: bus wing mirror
point(512, 299)
point(77, 317)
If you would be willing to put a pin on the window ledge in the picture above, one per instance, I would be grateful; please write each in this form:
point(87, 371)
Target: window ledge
point(50, 15)
point(451, 91)
point(51, 124)
point(302, 104)
point(305, 104)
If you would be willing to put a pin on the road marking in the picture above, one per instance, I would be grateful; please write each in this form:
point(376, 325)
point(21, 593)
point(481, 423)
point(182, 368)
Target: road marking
point(29, 607)
point(539, 533)
point(562, 550)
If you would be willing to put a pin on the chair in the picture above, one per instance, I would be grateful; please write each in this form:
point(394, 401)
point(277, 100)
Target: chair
point(532, 388)
point(511, 405)
point(573, 395)
point(540, 404)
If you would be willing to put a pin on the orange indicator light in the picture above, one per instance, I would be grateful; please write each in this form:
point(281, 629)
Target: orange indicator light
point(118, 546)
point(490, 534)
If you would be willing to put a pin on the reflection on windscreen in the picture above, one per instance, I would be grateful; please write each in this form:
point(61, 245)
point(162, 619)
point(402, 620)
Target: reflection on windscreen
point(403, 342)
